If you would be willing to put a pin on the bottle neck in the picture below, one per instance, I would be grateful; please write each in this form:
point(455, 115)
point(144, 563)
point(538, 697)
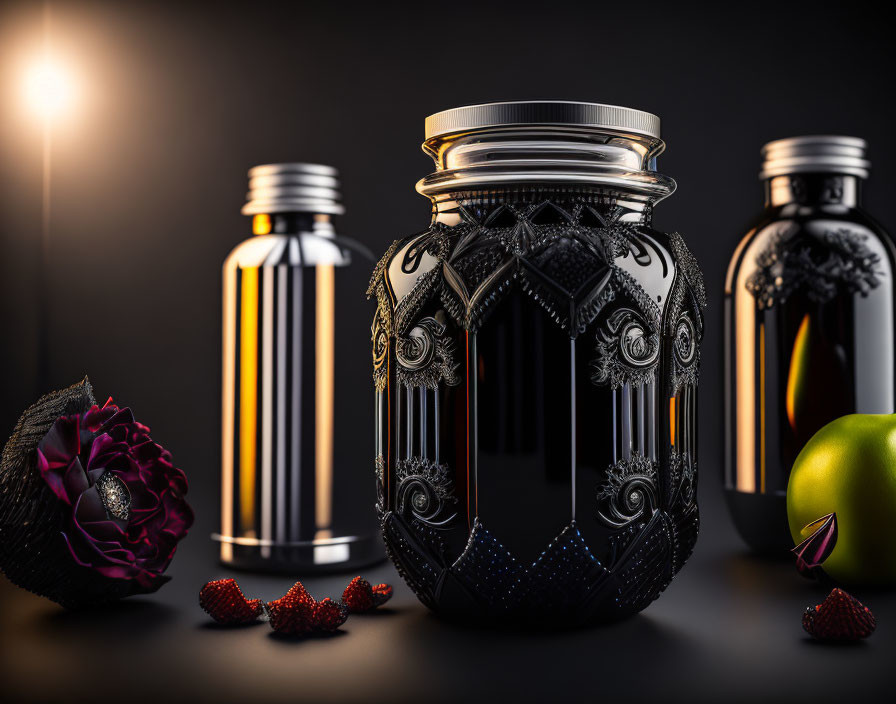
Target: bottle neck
point(292, 224)
point(809, 189)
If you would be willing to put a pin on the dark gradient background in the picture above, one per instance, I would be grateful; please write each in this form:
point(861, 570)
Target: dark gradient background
point(178, 100)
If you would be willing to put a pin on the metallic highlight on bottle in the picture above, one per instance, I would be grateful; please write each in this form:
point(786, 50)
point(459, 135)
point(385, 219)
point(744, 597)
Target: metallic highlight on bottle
point(280, 414)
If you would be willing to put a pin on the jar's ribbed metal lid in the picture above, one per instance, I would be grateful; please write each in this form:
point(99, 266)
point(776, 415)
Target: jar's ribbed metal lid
point(293, 188)
point(542, 112)
point(815, 153)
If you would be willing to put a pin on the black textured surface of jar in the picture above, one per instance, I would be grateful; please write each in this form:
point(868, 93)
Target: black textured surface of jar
point(809, 324)
point(535, 365)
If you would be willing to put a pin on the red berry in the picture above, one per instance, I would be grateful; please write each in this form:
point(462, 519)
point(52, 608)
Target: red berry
point(839, 617)
point(293, 613)
point(298, 591)
point(382, 593)
point(358, 596)
point(329, 615)
point(223, 600)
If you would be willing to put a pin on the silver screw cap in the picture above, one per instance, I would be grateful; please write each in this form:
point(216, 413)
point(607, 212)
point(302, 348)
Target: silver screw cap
point(542, 112)
point(293, 188)
point(816, 153)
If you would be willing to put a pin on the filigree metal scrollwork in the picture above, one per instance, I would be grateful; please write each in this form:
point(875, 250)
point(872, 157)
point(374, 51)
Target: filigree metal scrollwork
point(689, 268)
point(820, 266)
point(636, 293)
point(432, 242)
point(683, 473)
point(684, 321)
point(685, 341)
point(424, 491)
point(686, 353)
point(379, 333)
point(629, 492)
point(379, 465)
point(627, 351)
point(427, 355)
point(381, 328)
point(560, 253)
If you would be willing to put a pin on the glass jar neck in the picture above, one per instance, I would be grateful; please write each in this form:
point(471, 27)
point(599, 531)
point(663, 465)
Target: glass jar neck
point(609, 206)
point(814, 189)
point(546, 159)
point(292, 224)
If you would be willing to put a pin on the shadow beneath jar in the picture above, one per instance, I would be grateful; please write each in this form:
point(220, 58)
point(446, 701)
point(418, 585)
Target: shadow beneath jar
point(637, 628)
point(570, 660)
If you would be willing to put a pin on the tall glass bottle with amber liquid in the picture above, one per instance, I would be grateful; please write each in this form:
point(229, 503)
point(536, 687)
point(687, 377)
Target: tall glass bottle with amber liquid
point(292, 495)
point(809, 324)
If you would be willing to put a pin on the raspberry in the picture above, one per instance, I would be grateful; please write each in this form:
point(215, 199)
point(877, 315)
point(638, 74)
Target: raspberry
point(839, 617)
point(329, 615)
point(293, 613)
point(298, 591)
point(358, 596)
point(223, 600)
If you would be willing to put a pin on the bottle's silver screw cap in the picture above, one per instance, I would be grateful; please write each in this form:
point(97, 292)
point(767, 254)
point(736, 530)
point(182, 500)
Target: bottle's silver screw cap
point(815, 153)
point(293, 188)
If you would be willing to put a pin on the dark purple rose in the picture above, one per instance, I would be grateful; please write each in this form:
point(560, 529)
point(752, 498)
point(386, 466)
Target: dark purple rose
point(125, 501)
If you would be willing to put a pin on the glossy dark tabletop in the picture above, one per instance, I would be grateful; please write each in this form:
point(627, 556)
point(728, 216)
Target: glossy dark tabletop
point(727, 629)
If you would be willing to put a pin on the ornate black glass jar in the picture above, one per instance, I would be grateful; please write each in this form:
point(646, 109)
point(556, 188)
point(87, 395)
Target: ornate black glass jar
point(535, 363)
point(809, 324)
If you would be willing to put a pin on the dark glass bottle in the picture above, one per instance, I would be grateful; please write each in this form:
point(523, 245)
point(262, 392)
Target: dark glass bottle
point(809, 324)
point(535, 364)
point(292, 367)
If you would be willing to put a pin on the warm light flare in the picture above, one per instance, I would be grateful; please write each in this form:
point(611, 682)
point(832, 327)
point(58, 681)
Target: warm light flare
point(49, 88)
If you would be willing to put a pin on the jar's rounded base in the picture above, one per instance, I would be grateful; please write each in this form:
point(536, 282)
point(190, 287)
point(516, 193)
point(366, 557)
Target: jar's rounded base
point(761, 520)
point(565, 586)
point(322, 556)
